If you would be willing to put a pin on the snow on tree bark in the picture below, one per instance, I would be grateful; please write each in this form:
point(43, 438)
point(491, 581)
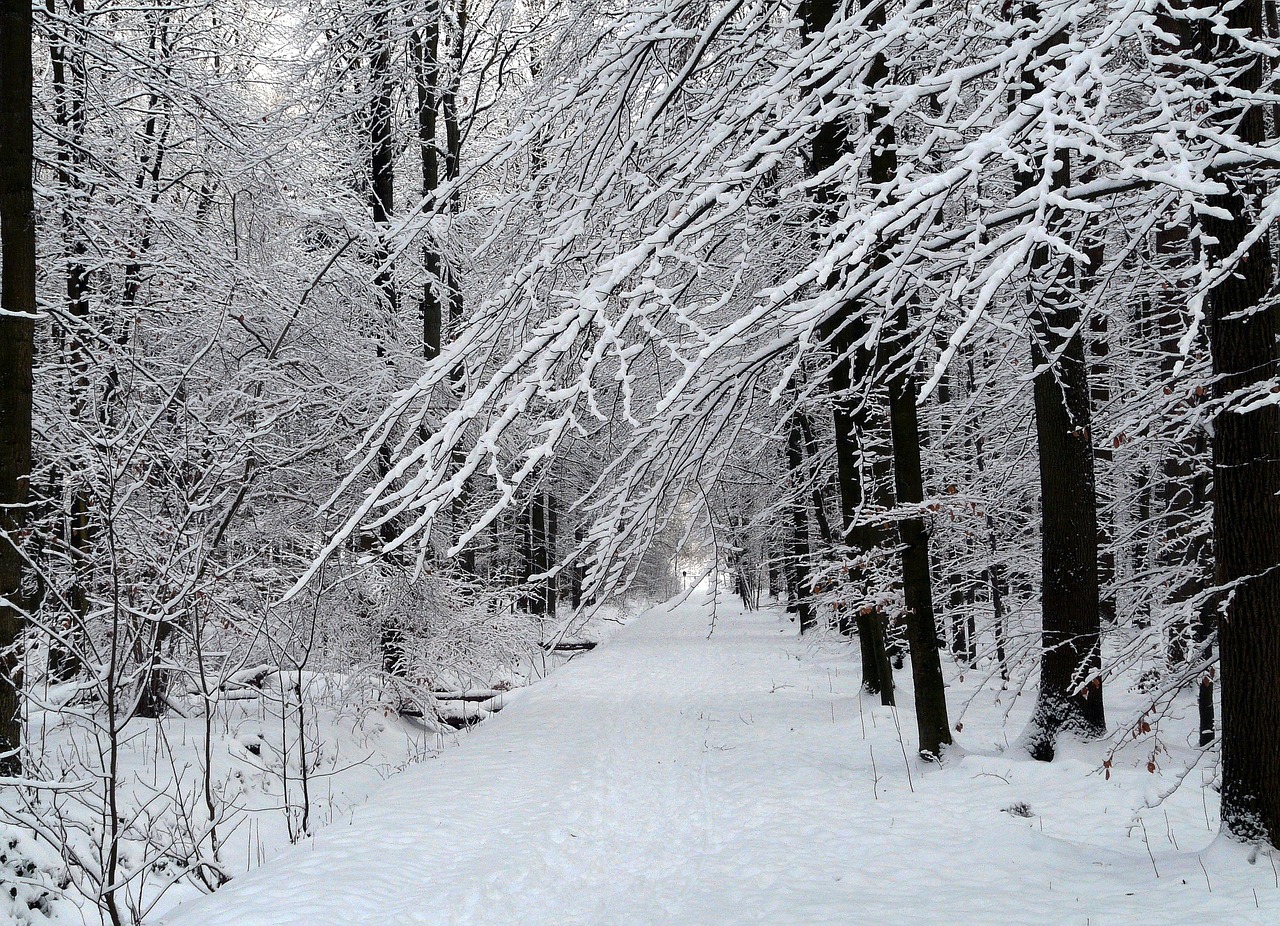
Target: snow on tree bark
point(17, 325)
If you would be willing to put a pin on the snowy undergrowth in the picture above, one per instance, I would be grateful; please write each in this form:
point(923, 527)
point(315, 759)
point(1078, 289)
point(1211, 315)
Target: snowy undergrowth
point(289, 753)
point(276, 774)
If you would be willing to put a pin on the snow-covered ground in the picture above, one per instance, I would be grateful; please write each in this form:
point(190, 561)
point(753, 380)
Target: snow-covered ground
point(674, 776)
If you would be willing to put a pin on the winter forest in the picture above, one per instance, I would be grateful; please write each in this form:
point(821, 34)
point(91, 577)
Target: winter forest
point(676, 462)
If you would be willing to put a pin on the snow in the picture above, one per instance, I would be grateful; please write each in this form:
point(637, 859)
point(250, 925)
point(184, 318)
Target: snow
point(683, 775)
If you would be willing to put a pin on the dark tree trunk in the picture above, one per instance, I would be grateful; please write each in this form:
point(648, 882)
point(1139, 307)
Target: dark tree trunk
point(67, 72)
point(773, 573)
point(959, 618)
point(856, 367)
point(17, 327)
point(799, 602)
point(1140, 549)
point(449, 98)
point(576, 572)
point(846, 332)
point(862, 539)
point(1183, 489)
point(527, 558)
point(452, 168)
point(1099, 371)
point(147, 645)
point(154, 689)
point(1246, 446)
point(382, 205)
point(535, 556)
point(1143, 552)
point(382, 155)
point(1070, 695)
point(550, 587)
point(425, 50)
point(932, 723)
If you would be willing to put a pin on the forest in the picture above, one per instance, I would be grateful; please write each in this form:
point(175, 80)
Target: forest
point(364, 362)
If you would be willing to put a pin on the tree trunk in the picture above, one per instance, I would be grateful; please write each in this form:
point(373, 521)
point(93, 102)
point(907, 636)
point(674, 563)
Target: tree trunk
point(17, 328)
point(862, 539)
point(853, 424)
point(148, 642)
point(550, 587)
point(425, 50)
point(800, 603)
point(382, 205)
point(535, 554)
point(773, 573)
point(1099, 372)
point(846, 331)
point(1070, 695)
point(932, 723)
point(68, 77)
point(452, 169)
point(1246, 446)
point(576, 572)
point(382, 156)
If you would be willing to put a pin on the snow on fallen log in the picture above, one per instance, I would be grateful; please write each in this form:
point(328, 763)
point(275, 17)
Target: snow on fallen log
point(571, 646)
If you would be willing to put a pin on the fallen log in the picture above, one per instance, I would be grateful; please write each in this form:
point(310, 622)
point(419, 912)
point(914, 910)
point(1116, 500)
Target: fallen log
point(571, 646)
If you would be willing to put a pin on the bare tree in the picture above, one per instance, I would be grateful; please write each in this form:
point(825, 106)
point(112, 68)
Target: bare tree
point(17, 326)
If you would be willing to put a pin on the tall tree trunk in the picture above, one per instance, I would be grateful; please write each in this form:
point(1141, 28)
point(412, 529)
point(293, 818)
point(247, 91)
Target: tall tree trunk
point(862, 539)
point(68, 77)
point(1183, 484)
point(798, 562)
point(382, 155)
point(1070, 695)
point(150, 642)
point(452, 169)
point(857, 368)
point(534, 553)
point(773, 574)
point(382, 205)
point(1099, 372)
point(576, 572)
point(425, 49)
point(846, 332)
point(1246, 445)
point(550, 586)
point(17, 330)
point(932, 723)
point(959, 584)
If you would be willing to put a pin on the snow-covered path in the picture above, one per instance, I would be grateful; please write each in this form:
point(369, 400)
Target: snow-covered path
point(671, 778)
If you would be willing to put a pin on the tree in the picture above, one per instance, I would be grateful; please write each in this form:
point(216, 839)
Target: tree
point(798, 561)
point(848, 331)
point(17, 327)
point(1242, 320)
point(1070, 693)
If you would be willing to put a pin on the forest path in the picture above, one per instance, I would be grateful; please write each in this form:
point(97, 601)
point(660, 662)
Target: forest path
point(671, 777)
